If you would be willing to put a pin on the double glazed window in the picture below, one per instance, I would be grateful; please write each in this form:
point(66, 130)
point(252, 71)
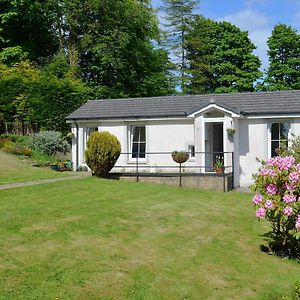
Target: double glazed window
point(138, 142)
point(279, 136)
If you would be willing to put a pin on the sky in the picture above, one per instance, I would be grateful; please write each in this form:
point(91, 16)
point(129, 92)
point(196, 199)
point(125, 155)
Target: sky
point(258, 17)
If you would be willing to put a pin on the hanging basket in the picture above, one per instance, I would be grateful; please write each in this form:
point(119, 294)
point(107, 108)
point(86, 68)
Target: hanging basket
point(180, 156)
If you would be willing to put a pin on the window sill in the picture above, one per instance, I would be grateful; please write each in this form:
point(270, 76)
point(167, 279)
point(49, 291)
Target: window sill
point(140, 161)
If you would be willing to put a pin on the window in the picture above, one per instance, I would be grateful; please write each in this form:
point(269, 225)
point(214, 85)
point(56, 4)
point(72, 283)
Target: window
point(279, 136)
point(138, 142)
point(89, 131)
point(191, 150)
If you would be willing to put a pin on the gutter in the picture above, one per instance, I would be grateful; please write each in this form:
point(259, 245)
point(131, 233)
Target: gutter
point(77, 142)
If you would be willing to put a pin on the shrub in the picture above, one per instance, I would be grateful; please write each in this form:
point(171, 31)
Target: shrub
point(4, 141)
point(277, 187)
point(49, 143)
point(16, 138)
point(293, 149)
point(103, 150)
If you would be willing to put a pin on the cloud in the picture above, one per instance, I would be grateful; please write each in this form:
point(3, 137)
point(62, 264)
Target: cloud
point(260, 38)
point(248, 19)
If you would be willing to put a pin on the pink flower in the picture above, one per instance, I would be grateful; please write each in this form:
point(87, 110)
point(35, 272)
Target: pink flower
point(272, 189)
point(290, 186)
point(289, 198)
point(288, 211)
point(272, 173)
point(294, 177)
point(268, 204)
point(257, 199)
point(260, 213)
point(298, 223)
point(283, 163)
point(298, 167)
point(264, 172)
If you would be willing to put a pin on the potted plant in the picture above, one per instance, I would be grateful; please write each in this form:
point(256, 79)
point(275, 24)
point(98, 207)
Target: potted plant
point(219, 165)
point(230, 131)
point(180, 156)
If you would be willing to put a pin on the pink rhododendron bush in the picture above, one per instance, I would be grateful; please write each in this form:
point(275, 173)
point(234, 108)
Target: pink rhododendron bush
point(277, 200)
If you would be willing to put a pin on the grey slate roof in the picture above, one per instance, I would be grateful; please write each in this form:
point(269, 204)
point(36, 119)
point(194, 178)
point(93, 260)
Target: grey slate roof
point(261, 103)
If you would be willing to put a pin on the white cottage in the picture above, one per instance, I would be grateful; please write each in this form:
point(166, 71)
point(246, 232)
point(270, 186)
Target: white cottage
point(149, 129)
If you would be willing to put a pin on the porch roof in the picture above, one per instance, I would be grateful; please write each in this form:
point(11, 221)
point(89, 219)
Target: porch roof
point(260, 103)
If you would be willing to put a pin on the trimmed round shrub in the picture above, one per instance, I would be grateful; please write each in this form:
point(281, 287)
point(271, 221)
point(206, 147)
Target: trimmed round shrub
point(49, 143)
point(103, 151)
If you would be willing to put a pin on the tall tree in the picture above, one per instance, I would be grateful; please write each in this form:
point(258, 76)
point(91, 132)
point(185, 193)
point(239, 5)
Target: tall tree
point(110, 42)
point(221, 58)
point(28, 24)
point(284, 59)
point(179, 15)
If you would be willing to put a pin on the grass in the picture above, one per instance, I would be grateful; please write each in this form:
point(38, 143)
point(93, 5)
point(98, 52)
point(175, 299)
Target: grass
point(100, 239)
point(15, 170)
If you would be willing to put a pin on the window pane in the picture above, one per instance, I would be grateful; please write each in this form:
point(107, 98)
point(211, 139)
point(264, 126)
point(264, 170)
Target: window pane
point(274, 147)
point(134, 149)
point(284, 130)
point(275, 131)
point(142, 150)
point(142, 134)
point(135, 134)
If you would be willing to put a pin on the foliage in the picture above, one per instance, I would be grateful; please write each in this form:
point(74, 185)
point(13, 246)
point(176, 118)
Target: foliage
point(284, 58)
point(221, 58)
point(16, 138)
point(230, 131)
point(12, 55)
point(103, 151)
point(37, 98)
point(278, 192)
point(180, 156)
point(292, 150)
point(28, 24)
point(219, 163)
point(49, 142)
point(179, 14)
point(111, 44)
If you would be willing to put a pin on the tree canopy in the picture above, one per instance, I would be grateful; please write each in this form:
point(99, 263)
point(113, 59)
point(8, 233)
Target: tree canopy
point(284, 58)
point(221, 58)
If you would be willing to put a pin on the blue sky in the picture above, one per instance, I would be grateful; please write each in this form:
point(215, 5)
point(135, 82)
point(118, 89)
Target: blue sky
point(258, 17)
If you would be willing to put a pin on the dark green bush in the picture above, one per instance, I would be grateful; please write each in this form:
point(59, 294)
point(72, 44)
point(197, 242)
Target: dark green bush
point(103, 150)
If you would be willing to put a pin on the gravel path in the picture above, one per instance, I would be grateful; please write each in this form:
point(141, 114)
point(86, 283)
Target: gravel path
point(40, 181)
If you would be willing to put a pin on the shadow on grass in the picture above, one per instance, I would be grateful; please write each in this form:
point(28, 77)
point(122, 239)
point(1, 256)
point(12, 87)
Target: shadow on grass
point(275, 247)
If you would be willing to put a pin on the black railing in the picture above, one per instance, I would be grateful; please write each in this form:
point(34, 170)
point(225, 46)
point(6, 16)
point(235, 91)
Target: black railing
point(162, 164)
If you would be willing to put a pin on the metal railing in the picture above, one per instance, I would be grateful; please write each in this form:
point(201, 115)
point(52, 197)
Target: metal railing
point(161, 164)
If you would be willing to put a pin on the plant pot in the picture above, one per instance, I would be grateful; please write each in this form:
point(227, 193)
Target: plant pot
point(220, 170)
point(55, 167)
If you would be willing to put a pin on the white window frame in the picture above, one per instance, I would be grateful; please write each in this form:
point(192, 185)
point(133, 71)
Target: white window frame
point(130, 143)
point(270, 133)
point(190, 146)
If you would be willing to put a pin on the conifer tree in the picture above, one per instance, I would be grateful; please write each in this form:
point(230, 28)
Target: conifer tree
point(178, 15)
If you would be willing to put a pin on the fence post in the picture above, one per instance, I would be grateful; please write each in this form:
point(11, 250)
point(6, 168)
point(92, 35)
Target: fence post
point(232, 157)
point(179, 174)
point(137, 167)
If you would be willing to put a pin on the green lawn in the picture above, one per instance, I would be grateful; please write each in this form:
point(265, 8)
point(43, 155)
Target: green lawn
point(98, 239)
point(13, 169)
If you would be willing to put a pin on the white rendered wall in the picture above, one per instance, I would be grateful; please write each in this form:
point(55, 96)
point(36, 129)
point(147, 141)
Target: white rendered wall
point(253, 143)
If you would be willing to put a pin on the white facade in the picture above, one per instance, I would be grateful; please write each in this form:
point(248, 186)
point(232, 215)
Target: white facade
point(205, 130)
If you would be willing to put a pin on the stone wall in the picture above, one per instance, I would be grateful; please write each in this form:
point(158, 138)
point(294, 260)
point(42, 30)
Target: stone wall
point(205, 182)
